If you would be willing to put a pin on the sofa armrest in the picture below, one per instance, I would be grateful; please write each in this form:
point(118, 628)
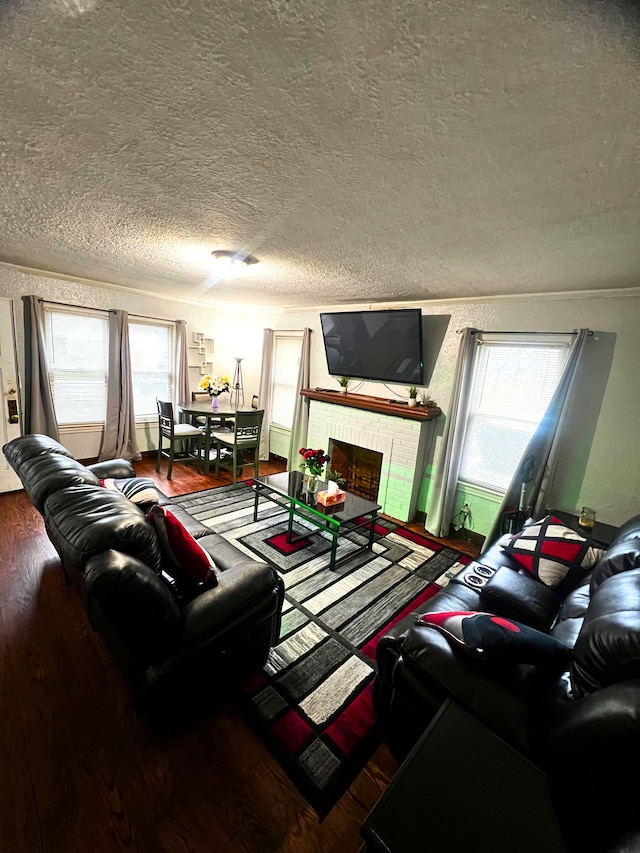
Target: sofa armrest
point(139, 609)
point(117, 469)
point(509, 593)
point(245, 588)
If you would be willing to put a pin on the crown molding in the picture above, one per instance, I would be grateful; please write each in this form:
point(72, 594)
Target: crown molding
point(228, 307)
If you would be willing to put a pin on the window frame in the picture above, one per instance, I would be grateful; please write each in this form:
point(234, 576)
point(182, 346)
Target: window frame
point(51, 308)
point(526, 340)
point(170, 325)
point(297, 336)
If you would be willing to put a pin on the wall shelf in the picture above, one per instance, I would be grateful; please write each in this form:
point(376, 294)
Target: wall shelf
point(201, 350)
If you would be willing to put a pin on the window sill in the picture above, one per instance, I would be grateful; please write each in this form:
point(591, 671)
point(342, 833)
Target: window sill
point(93, 426)
point(482, 491)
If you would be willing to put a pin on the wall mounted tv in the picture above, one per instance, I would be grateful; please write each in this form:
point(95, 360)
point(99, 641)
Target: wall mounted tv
point(384, 346)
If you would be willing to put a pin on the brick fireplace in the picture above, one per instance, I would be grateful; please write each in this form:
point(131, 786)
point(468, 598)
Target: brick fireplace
point(402, 442)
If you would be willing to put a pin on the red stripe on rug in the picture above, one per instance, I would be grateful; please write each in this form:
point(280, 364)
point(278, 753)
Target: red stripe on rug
point(255, 681)
point(370, 649)
point(280, 543)
point(292, 731)
point(347, 730)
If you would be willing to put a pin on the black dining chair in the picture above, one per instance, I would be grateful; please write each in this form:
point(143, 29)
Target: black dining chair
point(231, 447)
point(174, 433)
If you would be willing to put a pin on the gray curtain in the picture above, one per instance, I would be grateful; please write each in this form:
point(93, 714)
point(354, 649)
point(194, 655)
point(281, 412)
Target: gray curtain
point(533, 478)
point(264, 392)
point(182, 388)
point(300, 423)
point(443, 490)
point(119, 436)
point(40, 414)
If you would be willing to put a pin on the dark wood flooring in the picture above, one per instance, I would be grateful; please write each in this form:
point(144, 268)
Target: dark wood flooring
point(81, 772)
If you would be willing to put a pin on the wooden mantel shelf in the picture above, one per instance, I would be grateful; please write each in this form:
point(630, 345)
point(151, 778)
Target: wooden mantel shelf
point(382, 405)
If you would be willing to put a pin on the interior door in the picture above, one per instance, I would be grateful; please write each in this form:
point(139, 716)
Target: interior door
point(10, 416)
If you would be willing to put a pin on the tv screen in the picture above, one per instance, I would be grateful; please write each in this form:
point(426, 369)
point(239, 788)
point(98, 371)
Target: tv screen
point(381, 345)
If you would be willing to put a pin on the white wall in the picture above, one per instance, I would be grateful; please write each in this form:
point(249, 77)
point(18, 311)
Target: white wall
point(600, 466)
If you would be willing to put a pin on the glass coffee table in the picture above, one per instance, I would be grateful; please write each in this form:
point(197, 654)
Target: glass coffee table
point(286, 490)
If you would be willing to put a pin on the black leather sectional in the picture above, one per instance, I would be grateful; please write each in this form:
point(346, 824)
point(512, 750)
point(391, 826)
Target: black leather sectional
point(580, 723)
point(178, 650)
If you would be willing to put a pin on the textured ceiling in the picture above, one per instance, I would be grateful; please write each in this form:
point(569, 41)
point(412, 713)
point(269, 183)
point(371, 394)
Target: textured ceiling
point(364, 151)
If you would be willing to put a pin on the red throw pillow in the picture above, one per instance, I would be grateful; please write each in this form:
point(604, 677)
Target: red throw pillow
point(181, 548)
point(551, 551)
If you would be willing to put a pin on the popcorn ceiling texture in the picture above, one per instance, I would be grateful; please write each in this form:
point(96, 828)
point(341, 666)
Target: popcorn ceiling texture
point(363, 151)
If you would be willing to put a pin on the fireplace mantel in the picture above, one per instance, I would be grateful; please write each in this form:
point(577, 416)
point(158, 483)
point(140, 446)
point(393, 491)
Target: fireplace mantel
point(382, 405)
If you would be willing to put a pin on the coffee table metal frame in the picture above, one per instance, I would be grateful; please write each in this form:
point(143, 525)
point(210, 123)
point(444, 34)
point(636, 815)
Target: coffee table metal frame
point(286, 490)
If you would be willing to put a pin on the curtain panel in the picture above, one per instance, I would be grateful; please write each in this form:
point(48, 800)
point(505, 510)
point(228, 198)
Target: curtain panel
point(264, 392)
point(40, 414)
point(119, 435)
point(300, 423)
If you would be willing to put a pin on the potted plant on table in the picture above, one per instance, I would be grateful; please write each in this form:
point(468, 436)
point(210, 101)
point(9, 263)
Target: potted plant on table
point(313, 462)
point(413, 395)
point(343, 382)
point(214, 386)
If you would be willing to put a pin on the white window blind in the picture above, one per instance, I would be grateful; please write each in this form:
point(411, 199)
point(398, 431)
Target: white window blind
point(286, 361)
point(77, 353)
point(151, 346)
point(512, 386)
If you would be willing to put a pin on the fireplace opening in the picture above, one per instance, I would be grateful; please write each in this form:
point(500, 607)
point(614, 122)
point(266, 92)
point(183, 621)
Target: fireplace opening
point(360, 468)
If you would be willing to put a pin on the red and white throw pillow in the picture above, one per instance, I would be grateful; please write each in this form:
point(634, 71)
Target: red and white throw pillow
point(550, 551)
point(181, 548)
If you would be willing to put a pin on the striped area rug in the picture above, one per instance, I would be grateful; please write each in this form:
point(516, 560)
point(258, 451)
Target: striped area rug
point(312, 701)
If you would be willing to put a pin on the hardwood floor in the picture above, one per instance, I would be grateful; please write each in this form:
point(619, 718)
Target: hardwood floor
point(81, 772)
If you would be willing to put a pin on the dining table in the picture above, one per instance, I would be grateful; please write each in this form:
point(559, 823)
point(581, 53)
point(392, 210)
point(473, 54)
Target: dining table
point(222, 417)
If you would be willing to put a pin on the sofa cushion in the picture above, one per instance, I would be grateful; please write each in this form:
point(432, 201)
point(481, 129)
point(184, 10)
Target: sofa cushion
point(623, 555)
point(554, 554)
point(49, 473)
point(608, 646)
point(84, 520)
point(187, 558)
point(25, 447)
point(497, 638)
point(139, 490)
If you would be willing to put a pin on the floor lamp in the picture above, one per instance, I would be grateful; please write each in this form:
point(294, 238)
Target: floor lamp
point(237, 391)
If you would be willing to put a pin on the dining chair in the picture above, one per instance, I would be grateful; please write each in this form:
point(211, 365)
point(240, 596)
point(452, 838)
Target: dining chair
point(246, 436)
point(174, 433)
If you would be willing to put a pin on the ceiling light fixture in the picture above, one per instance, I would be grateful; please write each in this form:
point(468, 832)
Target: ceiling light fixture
point(227, 262)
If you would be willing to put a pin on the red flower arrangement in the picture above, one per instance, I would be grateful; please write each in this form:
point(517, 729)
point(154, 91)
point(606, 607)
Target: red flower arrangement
point(313, 460)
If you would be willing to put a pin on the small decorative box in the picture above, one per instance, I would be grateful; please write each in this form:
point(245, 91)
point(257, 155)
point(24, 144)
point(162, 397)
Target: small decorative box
point(330, 498)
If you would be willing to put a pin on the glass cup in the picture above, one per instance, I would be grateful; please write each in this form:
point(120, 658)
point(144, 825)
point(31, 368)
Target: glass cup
point(587, 517)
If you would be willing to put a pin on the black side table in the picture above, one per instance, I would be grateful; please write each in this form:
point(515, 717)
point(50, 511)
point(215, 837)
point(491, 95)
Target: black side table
point(603, 534)
point(463, 790)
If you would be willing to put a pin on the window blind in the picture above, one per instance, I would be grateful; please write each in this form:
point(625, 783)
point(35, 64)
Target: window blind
point(286, 360)
point(151, 346)
point(77, 354)
point(511, 388)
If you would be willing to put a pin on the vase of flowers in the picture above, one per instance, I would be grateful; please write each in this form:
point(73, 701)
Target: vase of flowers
point(313, 462)
point(214, 386)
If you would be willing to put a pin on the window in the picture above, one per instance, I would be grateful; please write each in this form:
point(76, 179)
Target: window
point(151, 346)
point(512, 385)
point(286, 360)
point(77, 345)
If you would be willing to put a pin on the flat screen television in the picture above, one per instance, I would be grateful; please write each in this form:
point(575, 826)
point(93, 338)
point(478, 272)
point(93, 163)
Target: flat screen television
point(384, 346)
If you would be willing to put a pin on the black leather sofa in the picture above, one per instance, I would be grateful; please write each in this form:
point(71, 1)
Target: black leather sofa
point(178, 649)
point(580, 723)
